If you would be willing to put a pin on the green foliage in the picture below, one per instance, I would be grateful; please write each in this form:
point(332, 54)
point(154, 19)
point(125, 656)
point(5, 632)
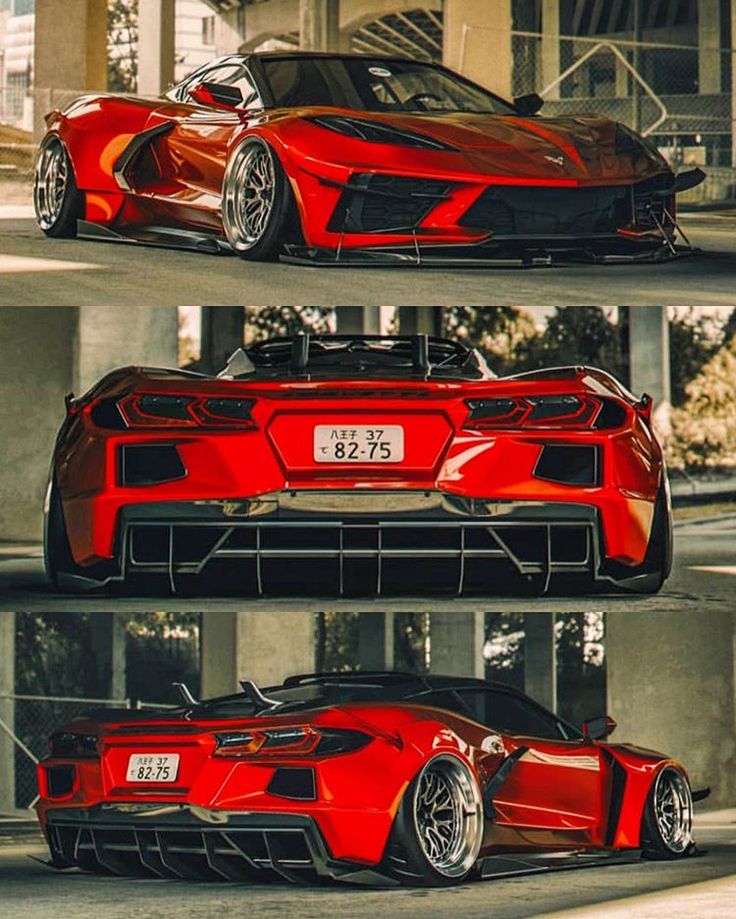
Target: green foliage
point(693, 341)
point(704, 429)
point(502, 333)
point(262, 322)
point(122, 45)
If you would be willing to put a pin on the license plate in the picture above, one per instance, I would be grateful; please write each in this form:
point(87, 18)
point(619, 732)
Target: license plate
point(153, 767)
point(358, 444)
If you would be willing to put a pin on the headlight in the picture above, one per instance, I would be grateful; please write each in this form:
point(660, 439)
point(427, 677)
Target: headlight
point(73, 746)
point(377, 133)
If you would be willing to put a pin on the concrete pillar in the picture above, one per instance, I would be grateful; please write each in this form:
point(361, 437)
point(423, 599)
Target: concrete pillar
point(540, 659)
point(222, 333)
point(417, 320)
point(108, 636)
point(733, 83)
point(456, 644)
point(260, 646)
point(45, 353)
point(230, 29)
point(551, 61)
point(671, 688)
point(319, 25)
point(7, 712)
point(376, 641)
point(108, 337)
point(649, 360)
point(156, 46)
point(477, 42)
point(357, 320)
point(709, 47)
point(70, 53)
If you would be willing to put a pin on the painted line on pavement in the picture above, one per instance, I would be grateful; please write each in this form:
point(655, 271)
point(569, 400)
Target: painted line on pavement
point(18, 264)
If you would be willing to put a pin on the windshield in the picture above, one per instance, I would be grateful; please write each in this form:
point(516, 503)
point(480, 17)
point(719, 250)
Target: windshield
point(376, 85)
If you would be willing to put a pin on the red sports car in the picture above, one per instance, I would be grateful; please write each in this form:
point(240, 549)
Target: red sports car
point(362, 777)
point(351, 158)
point(343, 465)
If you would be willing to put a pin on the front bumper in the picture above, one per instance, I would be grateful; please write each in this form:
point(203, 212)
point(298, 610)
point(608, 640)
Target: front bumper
point(183, 841)
point(353, 544)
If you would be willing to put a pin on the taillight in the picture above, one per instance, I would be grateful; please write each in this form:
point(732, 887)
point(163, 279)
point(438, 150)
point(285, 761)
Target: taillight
point(73, 746)
point(299, 741)
point(161, 410)
point(553, 411)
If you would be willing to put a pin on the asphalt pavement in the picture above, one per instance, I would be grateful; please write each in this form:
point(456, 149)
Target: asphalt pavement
point(35, 270)
point(701, 887)
point(703, 579)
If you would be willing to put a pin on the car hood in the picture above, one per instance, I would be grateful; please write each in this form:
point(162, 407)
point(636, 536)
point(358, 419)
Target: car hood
point(572, 147)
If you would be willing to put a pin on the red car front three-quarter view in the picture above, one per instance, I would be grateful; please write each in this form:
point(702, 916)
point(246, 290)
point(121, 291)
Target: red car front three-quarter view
point(358, 466)
point(330, 158)
point(376, 777)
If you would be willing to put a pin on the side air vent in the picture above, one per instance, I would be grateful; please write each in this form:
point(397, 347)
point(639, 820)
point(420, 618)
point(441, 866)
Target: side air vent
point(149, 464)
point(569, 465)
point(60, 780)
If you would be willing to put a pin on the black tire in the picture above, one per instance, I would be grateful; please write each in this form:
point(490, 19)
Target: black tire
point(57, 201)
point(57, 553)
point(657, 841)
point(406, 859)
point(257, 236)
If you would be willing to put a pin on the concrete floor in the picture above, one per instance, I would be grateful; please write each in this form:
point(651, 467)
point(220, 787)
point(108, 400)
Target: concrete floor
point(695, 888)
point(39, 271)
point(702, 579)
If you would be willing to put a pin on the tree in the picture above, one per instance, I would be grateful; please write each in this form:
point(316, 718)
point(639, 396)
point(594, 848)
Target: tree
point(502, 333)
point(704, 428)
point(122, 45)
point(694, 339)
point(264, 322)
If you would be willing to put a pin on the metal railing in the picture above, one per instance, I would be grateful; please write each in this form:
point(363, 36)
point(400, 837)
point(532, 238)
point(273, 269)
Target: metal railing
point(26, 723)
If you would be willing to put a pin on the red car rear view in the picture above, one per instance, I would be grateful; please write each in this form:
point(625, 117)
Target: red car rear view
point(361, 777)
point(359, 466)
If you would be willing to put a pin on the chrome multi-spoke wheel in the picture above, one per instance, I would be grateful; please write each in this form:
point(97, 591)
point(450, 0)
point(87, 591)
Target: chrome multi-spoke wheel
point(249, 195)
point(448, 816)
point(51, 184)
point(673, 810)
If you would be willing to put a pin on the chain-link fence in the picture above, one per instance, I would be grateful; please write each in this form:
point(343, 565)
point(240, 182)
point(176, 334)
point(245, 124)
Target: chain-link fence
point(26, 724)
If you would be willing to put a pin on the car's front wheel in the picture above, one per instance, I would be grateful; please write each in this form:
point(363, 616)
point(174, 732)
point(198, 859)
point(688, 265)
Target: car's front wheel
point(438, 830)
point(57, 201)
point(668, 817)
point(257, 202)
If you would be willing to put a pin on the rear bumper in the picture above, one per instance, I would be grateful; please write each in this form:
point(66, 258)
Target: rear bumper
point(373, 543)
point(191, 842)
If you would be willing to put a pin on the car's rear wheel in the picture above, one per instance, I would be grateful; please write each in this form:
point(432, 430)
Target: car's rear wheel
point(257, 202)
point(438, 831)
point(57, 201)
point(668, 816)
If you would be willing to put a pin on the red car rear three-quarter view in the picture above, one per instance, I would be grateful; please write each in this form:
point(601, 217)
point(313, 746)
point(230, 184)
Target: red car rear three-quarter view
point(358, 466)
point(326, 158)
point(373, 778)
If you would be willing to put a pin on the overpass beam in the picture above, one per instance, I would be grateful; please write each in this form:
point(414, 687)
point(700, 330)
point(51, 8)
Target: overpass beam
point(319, 25)
point(709, 47)
point(69, 54)
point(551, 59)
point(477, 42)
point(540, 659)
point(259, 646)
point(456, 644)
point(108, 639)
point(418, 320)
point(156, 46)
point(7, 712)
point(671, 688)
point(376, 641)
point(222, 333)
point(649, 360)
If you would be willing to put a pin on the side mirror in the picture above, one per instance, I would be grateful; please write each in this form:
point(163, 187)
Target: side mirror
point(216, 95)
point(598, 728)
point(644, 407)
point(529, 104)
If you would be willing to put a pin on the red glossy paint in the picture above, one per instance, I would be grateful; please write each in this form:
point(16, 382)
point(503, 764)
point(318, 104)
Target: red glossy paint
point(558, 796)
point(178, 180)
